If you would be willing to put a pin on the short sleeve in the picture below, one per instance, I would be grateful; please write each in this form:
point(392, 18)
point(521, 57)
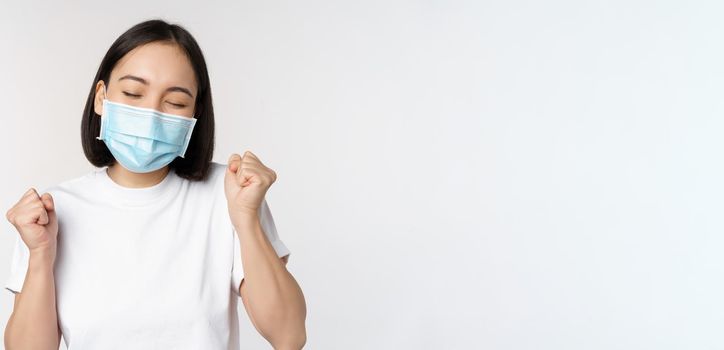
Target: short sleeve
point(18, 265)
point(267, 224)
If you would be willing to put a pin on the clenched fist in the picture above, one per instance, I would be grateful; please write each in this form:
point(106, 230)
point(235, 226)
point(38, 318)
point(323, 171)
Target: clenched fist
point(34, 218)
point(246, 183)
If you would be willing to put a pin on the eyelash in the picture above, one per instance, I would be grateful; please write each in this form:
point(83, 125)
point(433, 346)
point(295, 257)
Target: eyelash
point(137, 96)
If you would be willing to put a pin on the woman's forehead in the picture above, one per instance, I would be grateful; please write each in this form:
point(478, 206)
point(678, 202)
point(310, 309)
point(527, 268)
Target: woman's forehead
point(160, 64)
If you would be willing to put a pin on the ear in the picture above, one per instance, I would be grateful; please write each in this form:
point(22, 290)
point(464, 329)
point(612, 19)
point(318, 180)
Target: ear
point(98, 99)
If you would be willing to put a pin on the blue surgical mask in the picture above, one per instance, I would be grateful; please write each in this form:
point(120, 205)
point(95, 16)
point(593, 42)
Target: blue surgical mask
point(143, 139)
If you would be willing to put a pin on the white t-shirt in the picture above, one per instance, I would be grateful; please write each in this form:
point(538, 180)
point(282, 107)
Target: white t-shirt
point(146, 268)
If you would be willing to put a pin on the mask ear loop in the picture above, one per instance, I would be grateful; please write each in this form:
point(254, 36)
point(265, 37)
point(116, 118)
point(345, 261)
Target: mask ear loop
point(105, 98)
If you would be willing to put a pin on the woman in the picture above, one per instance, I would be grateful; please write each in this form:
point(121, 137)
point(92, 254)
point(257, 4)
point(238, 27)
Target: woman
point(151, 249)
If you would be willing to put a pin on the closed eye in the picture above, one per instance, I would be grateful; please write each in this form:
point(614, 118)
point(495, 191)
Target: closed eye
point(131, 95)
point(176, 104)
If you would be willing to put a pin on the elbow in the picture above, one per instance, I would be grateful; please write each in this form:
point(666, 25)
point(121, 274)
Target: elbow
point(8, 335)
point(292, 342)
point(290, 335)
point(298, 340)
point(16, 338)
point(301, 340)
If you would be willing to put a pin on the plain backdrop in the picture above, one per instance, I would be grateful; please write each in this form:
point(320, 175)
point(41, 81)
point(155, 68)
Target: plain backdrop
point(452, 174)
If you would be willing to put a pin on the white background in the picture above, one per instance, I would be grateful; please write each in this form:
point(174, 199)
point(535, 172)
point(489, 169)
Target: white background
point(452, 175)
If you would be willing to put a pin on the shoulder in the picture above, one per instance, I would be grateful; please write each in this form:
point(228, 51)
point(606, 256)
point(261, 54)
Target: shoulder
point(214, 181)
point(72, 186)
point(217, 170)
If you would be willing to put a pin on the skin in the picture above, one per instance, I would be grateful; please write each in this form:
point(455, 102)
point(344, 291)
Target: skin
point(271, 296)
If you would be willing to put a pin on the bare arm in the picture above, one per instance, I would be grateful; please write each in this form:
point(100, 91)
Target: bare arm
point(34, 321)
point(33, 325)
point(271, 296)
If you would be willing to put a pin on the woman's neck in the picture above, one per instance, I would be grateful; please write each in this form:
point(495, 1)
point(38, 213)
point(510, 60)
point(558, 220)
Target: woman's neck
point(126, 178)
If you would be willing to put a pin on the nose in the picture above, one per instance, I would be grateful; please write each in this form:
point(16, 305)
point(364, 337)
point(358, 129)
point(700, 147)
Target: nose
point(154, 102)
point(159, 105)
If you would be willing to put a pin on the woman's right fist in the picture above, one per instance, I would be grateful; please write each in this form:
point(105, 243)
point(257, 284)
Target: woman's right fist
point(34, 218)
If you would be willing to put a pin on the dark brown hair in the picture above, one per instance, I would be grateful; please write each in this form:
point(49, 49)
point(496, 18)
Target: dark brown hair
point(196, 162)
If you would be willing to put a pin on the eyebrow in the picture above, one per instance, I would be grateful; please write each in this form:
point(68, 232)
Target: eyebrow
point(145, 82)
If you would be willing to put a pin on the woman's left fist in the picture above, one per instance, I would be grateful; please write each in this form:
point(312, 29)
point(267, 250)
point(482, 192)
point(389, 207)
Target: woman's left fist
point(246, 183)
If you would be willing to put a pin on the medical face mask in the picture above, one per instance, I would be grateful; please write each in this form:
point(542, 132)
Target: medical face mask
point(143, 139)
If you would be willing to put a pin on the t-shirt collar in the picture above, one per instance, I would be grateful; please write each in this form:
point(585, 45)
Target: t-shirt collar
point(140, 195)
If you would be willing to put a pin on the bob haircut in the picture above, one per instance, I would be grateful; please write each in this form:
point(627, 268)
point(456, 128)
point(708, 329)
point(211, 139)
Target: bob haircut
point(196, 162)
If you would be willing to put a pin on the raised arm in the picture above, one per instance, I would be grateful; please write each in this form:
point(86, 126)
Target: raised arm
point(33, 323)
